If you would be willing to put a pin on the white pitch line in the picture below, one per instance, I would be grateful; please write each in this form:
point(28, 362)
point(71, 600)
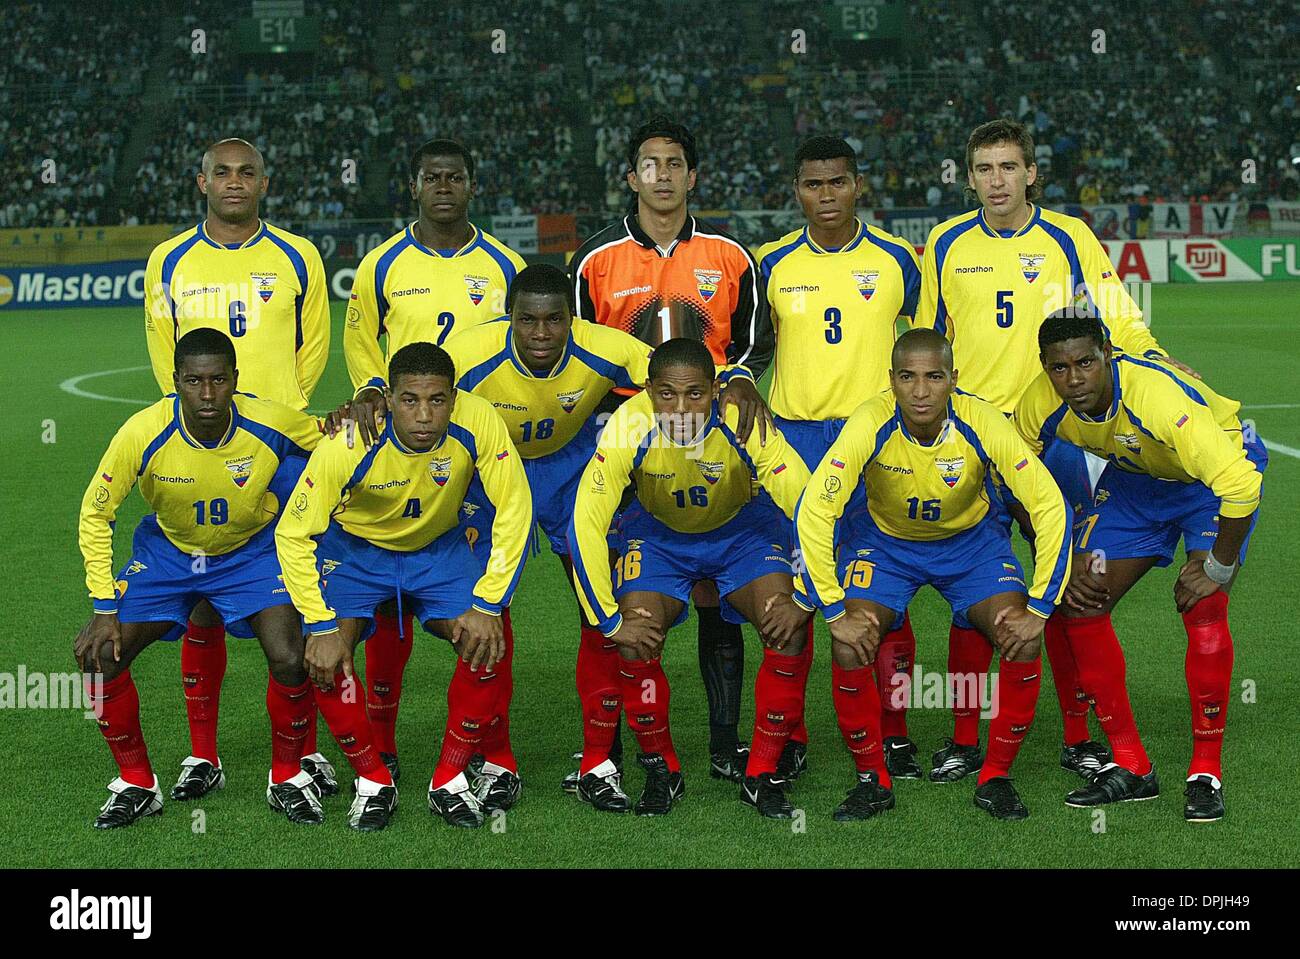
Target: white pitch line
point(1271, 406)
point(71, 385)
point(1279, 448)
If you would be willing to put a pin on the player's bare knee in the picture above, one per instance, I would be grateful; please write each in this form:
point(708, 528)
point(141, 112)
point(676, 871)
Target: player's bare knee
point(844, 655)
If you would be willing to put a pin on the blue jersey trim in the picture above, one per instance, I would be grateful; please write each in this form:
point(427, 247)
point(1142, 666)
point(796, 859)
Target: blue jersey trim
point(941, 247)
point(465, 438)
point(609, 623)
point(503, 261)
point(1190, 391)
point(770, 261)
point(278, 443)
point(1050, 425)
point(739, 448)
point(906, 265)
point(382, 266)
point(169, 268)
point(611, 371)
point(366, 462)
point(300, 268)
point(474, 376)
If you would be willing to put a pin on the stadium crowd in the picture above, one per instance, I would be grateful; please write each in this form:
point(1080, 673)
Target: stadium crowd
point(1167, 109)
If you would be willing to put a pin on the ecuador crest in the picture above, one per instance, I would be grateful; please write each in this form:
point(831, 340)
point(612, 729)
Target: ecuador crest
point(240, 470)
point(476, 287)
point(1031, 264)
point(712, 470)
point(569, 401)
point(707, 282)
point(264, 283)
point(440, 469)
point(950, 469)
point(866, 282)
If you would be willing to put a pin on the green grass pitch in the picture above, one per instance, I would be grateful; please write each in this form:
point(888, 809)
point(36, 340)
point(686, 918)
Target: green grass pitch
point(1241, 336)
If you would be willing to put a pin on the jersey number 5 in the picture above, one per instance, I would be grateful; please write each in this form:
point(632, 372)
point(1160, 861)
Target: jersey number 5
point(1004, 314)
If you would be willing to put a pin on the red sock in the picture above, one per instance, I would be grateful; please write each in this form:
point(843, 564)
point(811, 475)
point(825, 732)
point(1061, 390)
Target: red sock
point(118, 712)
point(601, 694)
point(346, 717)
point(309, 741)
point(1100, 661)
point(1065, 677)
point(778, 707)
point(1018, 685)
point(894, 662)
point(1209, 680)
point(386, 657)
point(496, 747)
point(645, 698)
point(969, 658)
point(203, 667)
point(857, 710)
point(290, 709)
point(470, 698)
point(800, 733)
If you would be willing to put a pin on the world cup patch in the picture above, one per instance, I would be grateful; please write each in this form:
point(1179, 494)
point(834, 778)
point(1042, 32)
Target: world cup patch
point(264, 283)
point(1031, 264)
point(866, 282)
point(712, 470)
point(706, 281)
point(440, 469)
point(240, 469)
point(476, 287)
point(950, 469)
point(569, 401)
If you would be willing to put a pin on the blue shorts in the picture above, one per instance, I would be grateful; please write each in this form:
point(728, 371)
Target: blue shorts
point(553, 480)
point(1068, 465)
point(753, 543)
point(812, 440)
point(1136, 515)
point(436, 582)
point(163, 584)
point(966, 568)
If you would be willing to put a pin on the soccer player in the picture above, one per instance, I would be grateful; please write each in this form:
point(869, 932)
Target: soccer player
point(1180, 466)
point(265, 288)
point(441, 274)
point(836, 291)
point(366, 526)
point(214, 465)
point(659, 273)
point(924, 453)
point(695, 516)
point(988, 278)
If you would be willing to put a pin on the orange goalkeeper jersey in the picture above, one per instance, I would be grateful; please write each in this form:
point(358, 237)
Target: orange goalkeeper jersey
point(703, 286)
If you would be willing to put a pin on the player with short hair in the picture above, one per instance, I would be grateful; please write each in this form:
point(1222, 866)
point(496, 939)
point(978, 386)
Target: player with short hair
point(989, 276)
point(658, 273)
point(696, 515)
point(924, 452)
point(265, 288)
point(366, 526)
point(1180, 466)
point(215, 465)
point(441, 274)
point(836, 289)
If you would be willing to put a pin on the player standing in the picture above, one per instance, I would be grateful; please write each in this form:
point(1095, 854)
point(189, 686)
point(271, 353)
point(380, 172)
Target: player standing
point(368, 526)
point(214, 465)
point(836, 290)
point(924, 453)
point(659, 273)
point(695, 516)
point(1180, 466)
point(265, 288)
point(988, 278)
point(441, 274)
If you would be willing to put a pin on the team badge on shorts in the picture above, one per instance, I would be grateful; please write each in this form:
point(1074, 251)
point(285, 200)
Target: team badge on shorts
point(569, 400)
point(476, 287)
point(440, 469)
point(1031, 264)
point(706, 282)
point(240, 469)
point(328, 566)
point(264, 283)
point(950, 469)
point(866, 282)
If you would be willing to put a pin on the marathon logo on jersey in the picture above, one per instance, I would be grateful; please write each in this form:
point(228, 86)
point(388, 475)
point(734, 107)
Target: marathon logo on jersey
point(950, 469)
point(1031, 264)
point(440, 469)
point(866, 283)
point(1129, 441)
point(476, 287)
point(712, 470)
point(264, 283)
point(569, 401)
point(240, 470)
point(706, 281)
